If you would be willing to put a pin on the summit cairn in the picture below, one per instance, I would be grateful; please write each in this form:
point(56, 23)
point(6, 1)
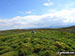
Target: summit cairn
point(33, 31)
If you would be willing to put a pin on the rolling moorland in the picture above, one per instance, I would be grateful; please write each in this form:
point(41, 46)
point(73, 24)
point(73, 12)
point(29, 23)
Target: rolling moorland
point(45, 42)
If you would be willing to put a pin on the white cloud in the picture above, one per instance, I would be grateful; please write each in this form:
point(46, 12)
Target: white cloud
point(55, 18)
point(69, 15)
point(48, 0)
point(28, 12)
point(48, 4)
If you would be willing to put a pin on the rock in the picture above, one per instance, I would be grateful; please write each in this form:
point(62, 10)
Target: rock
point(33, 31)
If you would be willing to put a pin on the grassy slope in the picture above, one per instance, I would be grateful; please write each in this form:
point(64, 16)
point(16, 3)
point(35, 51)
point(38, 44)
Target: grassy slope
point(46, 42)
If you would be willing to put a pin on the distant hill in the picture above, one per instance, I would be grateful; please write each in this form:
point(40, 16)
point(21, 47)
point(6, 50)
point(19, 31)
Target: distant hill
point(14, 31)
point(67, 29)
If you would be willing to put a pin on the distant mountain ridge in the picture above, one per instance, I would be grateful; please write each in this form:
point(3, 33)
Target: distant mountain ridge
point(70, 29)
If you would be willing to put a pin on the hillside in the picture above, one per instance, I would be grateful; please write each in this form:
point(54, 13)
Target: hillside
point(68, 29)
point(45, 42)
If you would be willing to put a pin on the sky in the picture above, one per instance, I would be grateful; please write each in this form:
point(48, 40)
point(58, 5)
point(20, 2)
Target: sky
point(26, 14)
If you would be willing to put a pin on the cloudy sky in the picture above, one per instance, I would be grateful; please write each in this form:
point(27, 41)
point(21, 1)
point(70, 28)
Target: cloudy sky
point(25, 14)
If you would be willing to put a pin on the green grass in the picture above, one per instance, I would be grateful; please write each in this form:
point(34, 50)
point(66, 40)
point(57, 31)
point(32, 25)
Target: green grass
point(43, 43)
